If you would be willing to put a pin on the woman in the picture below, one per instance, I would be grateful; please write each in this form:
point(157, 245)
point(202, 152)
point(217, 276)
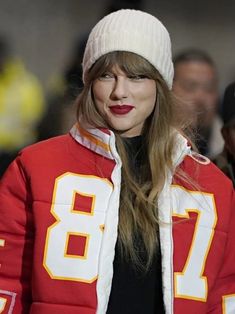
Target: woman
point(119, 216)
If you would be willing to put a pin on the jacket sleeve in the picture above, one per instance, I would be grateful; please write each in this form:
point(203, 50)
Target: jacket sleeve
point(222, 297)
point(16, 241)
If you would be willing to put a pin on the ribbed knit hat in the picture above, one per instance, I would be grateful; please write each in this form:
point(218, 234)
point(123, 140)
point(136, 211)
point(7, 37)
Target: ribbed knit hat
point(133, 31)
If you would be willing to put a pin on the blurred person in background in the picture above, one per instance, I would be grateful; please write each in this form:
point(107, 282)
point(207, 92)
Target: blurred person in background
point(226, 159)
point(21, 105)
point(196, 84)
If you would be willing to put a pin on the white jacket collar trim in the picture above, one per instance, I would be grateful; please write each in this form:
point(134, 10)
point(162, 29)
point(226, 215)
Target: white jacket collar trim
point(94, 139)
point(98, 141)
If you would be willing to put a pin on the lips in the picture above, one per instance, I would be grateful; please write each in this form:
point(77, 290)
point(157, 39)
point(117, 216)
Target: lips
point(121, 109)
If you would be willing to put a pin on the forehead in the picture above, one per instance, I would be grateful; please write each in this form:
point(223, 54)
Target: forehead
point(195, 70)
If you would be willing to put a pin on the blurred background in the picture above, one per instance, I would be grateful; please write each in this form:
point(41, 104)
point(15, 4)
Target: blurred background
point(41, 47)
point(43, 32)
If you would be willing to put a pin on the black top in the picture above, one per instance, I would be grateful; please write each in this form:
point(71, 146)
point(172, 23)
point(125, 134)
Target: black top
point(136, 291)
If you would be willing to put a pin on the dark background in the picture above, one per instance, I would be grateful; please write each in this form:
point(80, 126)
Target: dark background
point(43, 32)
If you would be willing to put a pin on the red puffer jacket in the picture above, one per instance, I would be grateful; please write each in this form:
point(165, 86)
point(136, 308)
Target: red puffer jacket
point(59, 205)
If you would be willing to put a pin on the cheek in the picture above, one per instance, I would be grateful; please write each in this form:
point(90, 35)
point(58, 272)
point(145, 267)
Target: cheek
point(210, 98)
point(101, 90)
point(211, 101)
point(99, 96)
point(153, 99)
point(97, 92)
point(178, 90)
point(150, 95)
point(147, 104)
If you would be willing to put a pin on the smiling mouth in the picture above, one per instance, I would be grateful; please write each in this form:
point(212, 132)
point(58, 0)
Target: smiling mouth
point(123, 109)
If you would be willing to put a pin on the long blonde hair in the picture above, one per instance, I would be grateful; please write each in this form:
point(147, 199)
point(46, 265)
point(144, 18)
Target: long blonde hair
point(138, 199)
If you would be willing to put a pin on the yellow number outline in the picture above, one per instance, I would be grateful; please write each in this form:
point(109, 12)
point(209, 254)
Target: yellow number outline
point(224, 299)
point(186, 215)
point(58, 220)
point(85, 235)
point(3, 302)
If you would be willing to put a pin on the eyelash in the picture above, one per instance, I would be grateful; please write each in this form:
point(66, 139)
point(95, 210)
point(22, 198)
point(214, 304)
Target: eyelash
point(107, 75)
point(137, 77)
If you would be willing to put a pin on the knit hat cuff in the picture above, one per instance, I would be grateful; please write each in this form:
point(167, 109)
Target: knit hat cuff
point(134, 42)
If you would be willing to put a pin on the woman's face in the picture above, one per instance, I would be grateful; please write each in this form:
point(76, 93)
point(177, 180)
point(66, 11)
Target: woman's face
point(124, 101)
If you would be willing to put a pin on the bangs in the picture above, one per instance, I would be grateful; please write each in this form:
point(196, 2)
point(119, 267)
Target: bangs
point(130, 63)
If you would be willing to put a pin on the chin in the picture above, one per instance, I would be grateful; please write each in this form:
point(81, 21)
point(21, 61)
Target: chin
point(119, 128)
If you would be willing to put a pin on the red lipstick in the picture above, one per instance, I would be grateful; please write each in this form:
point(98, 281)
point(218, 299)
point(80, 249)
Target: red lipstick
point(121, 109)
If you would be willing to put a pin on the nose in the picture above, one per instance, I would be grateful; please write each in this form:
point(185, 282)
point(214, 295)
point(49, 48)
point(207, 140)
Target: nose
point(120, 89)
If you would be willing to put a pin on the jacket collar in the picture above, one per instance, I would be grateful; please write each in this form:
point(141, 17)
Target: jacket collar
point(97, 140)
point(101, 142)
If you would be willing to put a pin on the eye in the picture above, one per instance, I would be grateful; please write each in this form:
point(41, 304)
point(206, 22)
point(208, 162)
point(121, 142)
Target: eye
point(137, 77)
point(106, 76)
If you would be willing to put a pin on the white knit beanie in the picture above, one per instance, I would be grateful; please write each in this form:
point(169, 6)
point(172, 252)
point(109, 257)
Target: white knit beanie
point(133, 31)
